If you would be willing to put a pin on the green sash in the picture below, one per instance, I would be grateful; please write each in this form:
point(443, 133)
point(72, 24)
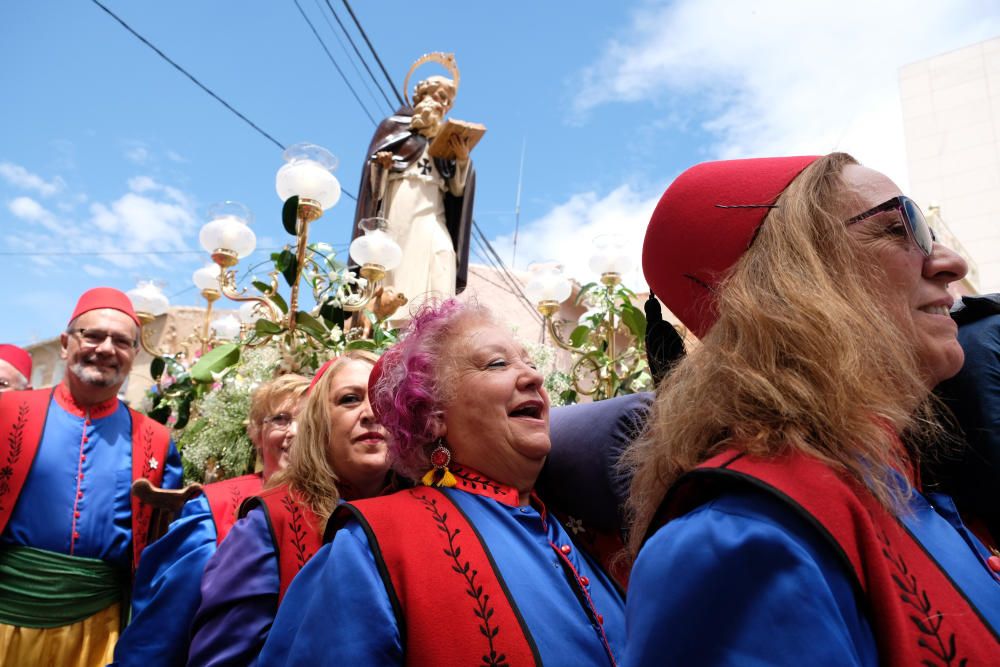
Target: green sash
point(43, 589)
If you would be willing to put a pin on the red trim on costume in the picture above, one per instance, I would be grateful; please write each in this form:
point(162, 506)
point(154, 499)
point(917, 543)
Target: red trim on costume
point(918, 616)
point(427, 551)
point(294, 532)
point(22, 422)
point(224, 500)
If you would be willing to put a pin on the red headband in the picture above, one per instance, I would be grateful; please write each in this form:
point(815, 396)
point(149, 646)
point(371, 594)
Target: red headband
point(703, 224)
point(319, 373)
point(18, 358)
point(104, 297)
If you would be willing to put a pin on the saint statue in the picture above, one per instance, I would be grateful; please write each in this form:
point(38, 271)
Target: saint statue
point(418, 176)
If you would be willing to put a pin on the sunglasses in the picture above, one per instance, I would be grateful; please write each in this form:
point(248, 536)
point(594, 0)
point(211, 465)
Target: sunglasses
point(913, 220)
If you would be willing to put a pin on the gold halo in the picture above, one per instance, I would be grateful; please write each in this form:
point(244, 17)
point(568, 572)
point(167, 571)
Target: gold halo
point(447, 60)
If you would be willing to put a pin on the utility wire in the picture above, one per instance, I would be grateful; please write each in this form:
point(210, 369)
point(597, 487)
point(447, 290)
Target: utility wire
point(371, 48)
point(189, 75)
point(360, 57)
point(343, 47)
point(334, 62)
point(502, 271)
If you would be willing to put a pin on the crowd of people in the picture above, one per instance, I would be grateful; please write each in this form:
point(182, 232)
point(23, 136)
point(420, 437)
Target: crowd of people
point(784, 498)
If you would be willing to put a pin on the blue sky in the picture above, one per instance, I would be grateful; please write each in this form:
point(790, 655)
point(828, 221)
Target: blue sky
point(104, 147)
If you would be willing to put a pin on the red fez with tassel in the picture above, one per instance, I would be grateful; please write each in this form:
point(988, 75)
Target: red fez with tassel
point(18, 358)
point(705, 221)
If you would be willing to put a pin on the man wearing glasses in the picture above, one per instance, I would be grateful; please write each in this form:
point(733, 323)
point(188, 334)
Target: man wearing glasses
point(70, 532)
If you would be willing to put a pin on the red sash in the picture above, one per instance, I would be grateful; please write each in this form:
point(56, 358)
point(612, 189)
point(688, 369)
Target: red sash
point(918, 616)
point(427, 551)
point(224, 500)
point(294, 532)
point(22, 421)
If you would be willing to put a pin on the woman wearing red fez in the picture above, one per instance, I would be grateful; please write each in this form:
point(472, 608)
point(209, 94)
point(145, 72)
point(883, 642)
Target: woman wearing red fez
point(779, 517)
point(340, 452)
point(167, 587)
point(467, 568)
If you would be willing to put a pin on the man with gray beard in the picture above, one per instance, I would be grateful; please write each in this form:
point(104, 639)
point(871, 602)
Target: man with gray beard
point(427, 201)
point(70, 532)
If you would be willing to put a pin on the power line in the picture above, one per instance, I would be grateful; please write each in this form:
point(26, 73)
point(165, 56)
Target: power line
point(504, 274)
point(343, 48)
point(334, 62)
point(371, 48)
point(102, 253)
point(189, 75)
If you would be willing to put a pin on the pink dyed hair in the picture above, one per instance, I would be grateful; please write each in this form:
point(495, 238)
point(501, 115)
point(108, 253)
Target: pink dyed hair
point(410, 394)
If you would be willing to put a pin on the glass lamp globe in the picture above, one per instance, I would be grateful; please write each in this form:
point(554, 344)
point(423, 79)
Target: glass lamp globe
point(148, 299)
point(227, 235)
point(375, 246)
point(227, 328)
point(206, 278)
point(611, 255)
point(547, 284)
point(308, 173)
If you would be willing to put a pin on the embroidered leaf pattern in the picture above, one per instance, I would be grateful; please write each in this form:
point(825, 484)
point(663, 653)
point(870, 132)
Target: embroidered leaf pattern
point(15, 443)
point(926, 619)
point(145, 512)
point(475, 482)
point(296, 524)
point(482, 609)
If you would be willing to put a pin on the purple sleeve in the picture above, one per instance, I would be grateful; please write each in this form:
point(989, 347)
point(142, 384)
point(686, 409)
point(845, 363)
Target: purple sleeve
point(239, 596)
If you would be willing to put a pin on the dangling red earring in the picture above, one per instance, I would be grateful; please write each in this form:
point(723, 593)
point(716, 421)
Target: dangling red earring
point(439, 475)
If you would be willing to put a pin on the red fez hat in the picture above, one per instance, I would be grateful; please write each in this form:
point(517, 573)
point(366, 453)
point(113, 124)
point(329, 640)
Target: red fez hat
point(18, 358)
point(319, 374)
point(705, 221)
point(104, 297)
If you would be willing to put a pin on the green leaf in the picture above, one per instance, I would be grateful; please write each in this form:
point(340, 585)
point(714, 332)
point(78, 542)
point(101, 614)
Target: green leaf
point(568, 396)
point(579, 335)
point(335, 316)
point(183, 414)
point(218, 359)
point(362, 344)
point(267, 328)
point(583, 292)
point(290, 214)
point(310, 324)
point(276, 298)
point(635, 320)
point(156, 367)
point(161, 413)
point(291, 267)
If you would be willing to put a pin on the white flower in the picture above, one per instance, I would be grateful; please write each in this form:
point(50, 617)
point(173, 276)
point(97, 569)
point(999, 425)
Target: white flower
point(153, 463)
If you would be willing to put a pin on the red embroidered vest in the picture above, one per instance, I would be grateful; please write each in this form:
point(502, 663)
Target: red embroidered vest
point(22, 421)
point(918, 616)
point(225, 497)
point(426, 551)
point(294, 532)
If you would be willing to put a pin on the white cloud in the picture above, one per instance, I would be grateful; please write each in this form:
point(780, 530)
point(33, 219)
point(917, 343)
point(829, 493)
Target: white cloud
point(174, 156)
point(20, 177)
point(28, 209)
point(771, 77)
point(96, 271)
point(137, 154)
point(566, 233)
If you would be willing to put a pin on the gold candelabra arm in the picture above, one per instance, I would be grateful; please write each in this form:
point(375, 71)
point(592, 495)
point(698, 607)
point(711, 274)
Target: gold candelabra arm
point(373, 275)
point(595, 368)
point(145, 334)
point(556, 334)
point(227, 286)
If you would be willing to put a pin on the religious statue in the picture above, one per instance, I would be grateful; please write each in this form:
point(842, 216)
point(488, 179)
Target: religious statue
point(418, 176)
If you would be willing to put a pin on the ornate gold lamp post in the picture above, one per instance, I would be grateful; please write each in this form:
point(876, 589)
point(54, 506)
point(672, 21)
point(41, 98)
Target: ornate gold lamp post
point(149, 302)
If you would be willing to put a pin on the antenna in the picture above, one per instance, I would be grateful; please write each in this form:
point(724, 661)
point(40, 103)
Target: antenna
point(517, 206)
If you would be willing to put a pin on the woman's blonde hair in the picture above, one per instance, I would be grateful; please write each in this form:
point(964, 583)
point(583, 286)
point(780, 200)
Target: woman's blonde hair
point(805, 356)
point(269, 397)
point(310, 475)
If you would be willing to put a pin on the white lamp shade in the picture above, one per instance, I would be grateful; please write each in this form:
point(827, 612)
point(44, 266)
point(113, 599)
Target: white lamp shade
point(376, 247)
point(228, 232)
point(207, 277)
point(547, 283)
point(148, 298)
point(308, 173)
point(611, 255)
point(227, 328)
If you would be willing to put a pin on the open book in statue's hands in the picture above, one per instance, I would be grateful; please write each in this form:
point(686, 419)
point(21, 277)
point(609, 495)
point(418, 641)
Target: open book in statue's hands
point(443, 145)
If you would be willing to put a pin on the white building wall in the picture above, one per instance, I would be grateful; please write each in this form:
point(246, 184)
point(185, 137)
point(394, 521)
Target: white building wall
point(951, 121)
